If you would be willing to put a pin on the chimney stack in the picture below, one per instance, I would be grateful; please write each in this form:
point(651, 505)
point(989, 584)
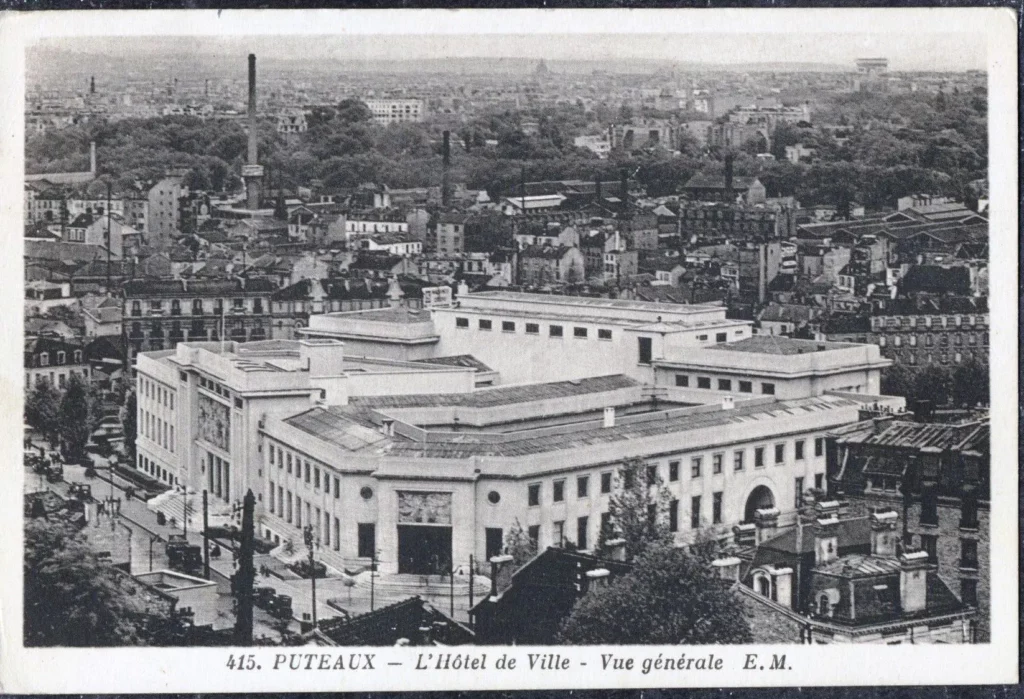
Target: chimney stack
point(767, 522)
point(252, 172)
point(883, 533)
point(914, 581)
point(446, 161)
point(92, 158)
point(92, 85)
point(609, 416)
point(826, 540)
point(728, 177)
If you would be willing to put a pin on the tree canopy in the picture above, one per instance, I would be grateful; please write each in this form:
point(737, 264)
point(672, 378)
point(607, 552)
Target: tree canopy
point(42, 408)
point(670, 597)
point(638, 509)
point(75, 420)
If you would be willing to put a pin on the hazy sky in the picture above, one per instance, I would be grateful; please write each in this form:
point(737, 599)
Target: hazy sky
point(906, 51)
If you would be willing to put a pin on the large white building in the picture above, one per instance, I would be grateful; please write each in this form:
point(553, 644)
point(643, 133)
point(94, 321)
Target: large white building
point(405, 458)
point(395, 111)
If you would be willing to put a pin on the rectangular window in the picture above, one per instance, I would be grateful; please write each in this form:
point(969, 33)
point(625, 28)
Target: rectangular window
point(289, 459)
point(819, 481)
point(652, 475)
point(558, 532)
point(337, 488)
point(721, 337)
point(582, 486)
point(603, 334)
point(737, 461)
point(606, 482)
point(929, 507)
point(289, 501)
point(533, 531)
point(533, 495)
point(798, 492)
point(558, 491)
point(272, 497)
point(968, 553)
point(758, 457)
point(484, 324)
point(307, 471)
point(462, 322)
point(746, 387)
point(703, 382)
point(969, 512)
point(716, 508)
point(969, 591)
point(555, 330)
point(508, 326)
point(724, 384)
point(316, 478)
point(673, 470)
point(298, 512)
point(768, 389)
point(581, 532)
point(673, 516)
point(799, 447)
point(717, 461)
point(337, 534)
point(780, 453)
point(367, 540)
point(682, 380)
point(532, 329)
point(695, 467)
point(819, 446)
point(695, 512)
point(580, 333)
point(645, 351)
point(929, 543)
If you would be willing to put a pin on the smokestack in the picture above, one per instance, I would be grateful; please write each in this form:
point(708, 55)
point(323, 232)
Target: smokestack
point(92, 158)
point(252, 172)
point(252, 109)
point(728, 177)
point(92, 85)
point(446, 161)
point(206, 88)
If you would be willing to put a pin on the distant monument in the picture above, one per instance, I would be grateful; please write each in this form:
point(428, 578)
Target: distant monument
point(542, 69)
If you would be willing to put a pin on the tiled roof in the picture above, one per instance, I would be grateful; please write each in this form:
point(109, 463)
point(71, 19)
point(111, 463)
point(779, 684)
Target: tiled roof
point(858, 565)
point(916, 435)
point(855, 531)
point(934, 305)
point(178, 287)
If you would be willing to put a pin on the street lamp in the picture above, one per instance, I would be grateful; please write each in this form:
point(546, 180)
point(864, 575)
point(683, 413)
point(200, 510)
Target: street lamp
point(311, 543)
point(111, 465)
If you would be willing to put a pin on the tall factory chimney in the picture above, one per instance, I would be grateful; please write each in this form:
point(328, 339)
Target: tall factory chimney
point(252, 171)
point(446, 162)
point(92, 85)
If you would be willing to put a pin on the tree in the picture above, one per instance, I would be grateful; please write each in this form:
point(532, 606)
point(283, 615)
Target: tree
point(74, 599)
point(671, 596)
point(129, 425)
point(638, 511)
point(42, 406)
point(970, 384)
point(75, 420)
point(898, 380)
point(933, 383)
point(519, 545)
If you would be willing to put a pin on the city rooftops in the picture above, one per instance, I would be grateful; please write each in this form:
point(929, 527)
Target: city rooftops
point(775, 345)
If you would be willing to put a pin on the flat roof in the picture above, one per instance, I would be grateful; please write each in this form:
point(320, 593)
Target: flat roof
point(771, 344)
point(400, 314)
point(353, 429)
point(591, 302)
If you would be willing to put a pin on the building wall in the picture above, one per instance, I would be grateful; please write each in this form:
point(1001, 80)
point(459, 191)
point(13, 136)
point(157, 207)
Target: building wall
point(927, 339)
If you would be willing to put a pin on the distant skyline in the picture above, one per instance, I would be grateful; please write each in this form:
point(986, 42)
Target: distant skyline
point(905, 52)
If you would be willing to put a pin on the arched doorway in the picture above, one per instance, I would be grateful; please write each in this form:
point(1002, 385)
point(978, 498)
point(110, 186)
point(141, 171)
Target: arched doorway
point(760, 498)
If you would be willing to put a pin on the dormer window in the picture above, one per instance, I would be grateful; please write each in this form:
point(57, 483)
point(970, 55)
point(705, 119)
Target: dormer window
point(61, 358)
point(44, 359)
point(78, 356)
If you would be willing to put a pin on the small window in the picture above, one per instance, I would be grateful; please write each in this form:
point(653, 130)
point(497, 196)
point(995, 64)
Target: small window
point(703, 382)
point(604, 334)
point(462, 322)
point(695, 512)
point(702, 337)
point(721, 337)
point(695, 464)
point(558, 492)
point(682, 380)
point(768, 389)
point(337, 488)
point(307, 474)
point(746, 387)
point(798, 492)
point(494, 497)
point(644, 350)
point(737, 461)
point(819, 481)
point(819, 446)
point(61, 358)
point(673, 516)
point(673, 470)
point(582, 486)
point(606, 482)
point(758, 457)
point(316, 478)
point(780, 453)
point(484, 324)
point(508, 326)
point(969, 591)
point(799, 449)
point(724, 384)
point(533, 494)
point(716, 508)
point(580, 333)
point(532, 329)
point(968, 553)
point(652, 475)
point(555, 330)
point(238, 403)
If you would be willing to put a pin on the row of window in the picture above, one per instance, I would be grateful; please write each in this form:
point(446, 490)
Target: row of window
point(290, 507)
point(157, 306)
point(155, 470)
point(929, 321)
point(157, 430)
point(683, 381)
point(214, 387)
point(54, 379)
point(558, 492)
point(154, 391)
point(43, 358)
point(799, 492)
point(304, 470)
point(958, 339)
point(940, 357)
point(509, 326)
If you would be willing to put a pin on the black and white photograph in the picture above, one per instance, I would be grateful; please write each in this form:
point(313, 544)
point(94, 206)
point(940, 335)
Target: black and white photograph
point(442, 342)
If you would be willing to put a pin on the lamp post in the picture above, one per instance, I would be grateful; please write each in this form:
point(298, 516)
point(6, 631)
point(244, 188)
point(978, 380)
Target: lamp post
point(311, 543)
point(111, 463)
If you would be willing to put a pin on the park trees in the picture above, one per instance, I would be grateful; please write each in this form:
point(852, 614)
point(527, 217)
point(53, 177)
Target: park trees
point(638, 510)
point(42, 408)
point(671, 596)
point(75, 417)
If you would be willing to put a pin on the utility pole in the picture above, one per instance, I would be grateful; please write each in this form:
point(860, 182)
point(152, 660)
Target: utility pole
point(109, 241)
point(206, 536)
point(373, 575)
point(245, 574)
point(307, 536)
point(471, 577)
point(451, 591)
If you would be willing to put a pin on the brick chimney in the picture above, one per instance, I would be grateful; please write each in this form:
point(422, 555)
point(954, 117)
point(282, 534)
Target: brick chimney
point(728, 568)
point(616, 549)
point(609, 416)
point(826, 540)
point(883, 533)
point(914, 581)
point(501, 573)
point(767, 522)
point(745, 534)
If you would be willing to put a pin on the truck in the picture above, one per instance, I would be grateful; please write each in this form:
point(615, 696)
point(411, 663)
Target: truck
point(183, 556)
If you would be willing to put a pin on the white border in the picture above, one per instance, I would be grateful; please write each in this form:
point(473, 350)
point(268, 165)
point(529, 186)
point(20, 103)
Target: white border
point(202, 670)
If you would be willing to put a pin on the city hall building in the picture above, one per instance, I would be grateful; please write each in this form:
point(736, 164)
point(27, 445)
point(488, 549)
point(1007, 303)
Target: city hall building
point(404, 457)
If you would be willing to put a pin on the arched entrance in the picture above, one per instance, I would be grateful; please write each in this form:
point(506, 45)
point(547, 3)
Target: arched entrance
point(760, 498)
